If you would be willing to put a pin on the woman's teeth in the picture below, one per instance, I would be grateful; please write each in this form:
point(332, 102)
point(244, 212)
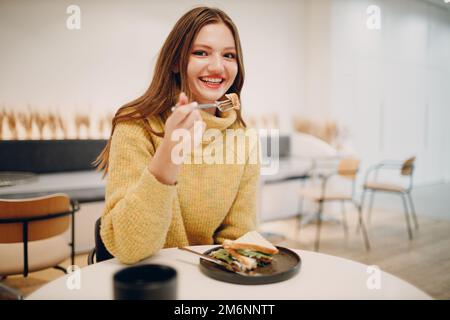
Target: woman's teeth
point(212, 80)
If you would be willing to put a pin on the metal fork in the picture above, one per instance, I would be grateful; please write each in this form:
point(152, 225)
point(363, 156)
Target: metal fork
point(223, 106)
point(214, 260)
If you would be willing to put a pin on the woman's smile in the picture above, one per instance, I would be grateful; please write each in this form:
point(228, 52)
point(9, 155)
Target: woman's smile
point(212, 82)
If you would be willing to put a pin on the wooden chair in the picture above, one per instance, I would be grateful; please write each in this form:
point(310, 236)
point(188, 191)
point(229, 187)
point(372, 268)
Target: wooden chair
point(31, 233)
point(406, 169)
point(348, 169)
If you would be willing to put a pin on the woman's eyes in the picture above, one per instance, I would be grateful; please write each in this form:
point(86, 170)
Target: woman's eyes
point(230, 55)
point(202, 53)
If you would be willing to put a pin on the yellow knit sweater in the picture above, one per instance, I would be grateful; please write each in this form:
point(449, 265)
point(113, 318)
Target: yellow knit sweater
point(209, 203)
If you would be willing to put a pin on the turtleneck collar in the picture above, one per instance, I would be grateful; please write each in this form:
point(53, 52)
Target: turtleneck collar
point(224, 121)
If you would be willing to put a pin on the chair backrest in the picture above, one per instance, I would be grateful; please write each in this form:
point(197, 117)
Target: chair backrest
point(408, 166)
point(348, 168)
point(34, 208)
point(101, 253)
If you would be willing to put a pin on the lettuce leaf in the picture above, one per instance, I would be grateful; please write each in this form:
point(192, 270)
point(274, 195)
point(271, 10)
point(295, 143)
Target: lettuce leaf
point(223, 255)
point(254, 254)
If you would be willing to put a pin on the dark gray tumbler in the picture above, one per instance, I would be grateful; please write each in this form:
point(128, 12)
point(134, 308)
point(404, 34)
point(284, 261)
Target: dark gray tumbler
point(145, 282)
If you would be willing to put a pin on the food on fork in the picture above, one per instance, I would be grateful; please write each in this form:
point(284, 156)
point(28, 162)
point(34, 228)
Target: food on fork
point(233, 97)
point(231, 102)
point(246, 253)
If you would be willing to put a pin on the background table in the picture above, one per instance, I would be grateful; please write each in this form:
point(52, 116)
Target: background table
point(83, 186)
point(321, 277)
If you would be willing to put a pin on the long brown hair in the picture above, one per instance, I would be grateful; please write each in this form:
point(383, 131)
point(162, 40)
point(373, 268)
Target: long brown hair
point(166, 83)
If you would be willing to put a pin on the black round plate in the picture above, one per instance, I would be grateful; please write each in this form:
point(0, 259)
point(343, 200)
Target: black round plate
point(285, 265)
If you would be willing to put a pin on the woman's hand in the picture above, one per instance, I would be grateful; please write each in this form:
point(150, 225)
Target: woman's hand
point(181, 122)
point(183, 118)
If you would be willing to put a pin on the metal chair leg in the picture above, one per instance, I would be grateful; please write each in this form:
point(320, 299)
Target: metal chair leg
point(319, 225)
point(60, 268)
point(7, 293)
point(344, 218)
point(72, 243)
point(91, 256)
point(407, 216)
point(369, 213)
point(300, 217)
point(363, 227)
point(413, 211)
point(361, 208)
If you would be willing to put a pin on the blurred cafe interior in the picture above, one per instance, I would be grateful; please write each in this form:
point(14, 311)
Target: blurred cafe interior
point(357, 92)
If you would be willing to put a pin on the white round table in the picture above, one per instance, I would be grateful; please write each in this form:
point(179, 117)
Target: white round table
point(321, 277)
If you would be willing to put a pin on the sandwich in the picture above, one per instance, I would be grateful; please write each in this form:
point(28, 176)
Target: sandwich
point(247, 252)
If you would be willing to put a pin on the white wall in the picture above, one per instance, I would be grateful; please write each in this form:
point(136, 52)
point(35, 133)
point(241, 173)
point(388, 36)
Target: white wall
point(110, 60)
point(391, 86)
point(318, 58)
point(312, 57)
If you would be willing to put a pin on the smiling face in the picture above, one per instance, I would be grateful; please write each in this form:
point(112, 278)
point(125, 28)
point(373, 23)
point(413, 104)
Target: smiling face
point(212, 65)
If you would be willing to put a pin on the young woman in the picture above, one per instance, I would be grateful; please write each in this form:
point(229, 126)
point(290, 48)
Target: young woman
point(153, 202)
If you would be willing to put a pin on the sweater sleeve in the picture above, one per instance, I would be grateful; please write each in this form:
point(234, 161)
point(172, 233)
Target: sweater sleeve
point(242, 216)
point(138, 208)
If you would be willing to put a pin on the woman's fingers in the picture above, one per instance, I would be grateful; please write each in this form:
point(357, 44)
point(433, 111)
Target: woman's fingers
point(182, 99)
point(196, 127)
point(185, 117)
point(181, 113)
point(183, 109)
